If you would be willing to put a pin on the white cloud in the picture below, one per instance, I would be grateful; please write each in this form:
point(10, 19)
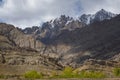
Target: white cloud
point(31, 12)
point(23, 13)
point(92, 6)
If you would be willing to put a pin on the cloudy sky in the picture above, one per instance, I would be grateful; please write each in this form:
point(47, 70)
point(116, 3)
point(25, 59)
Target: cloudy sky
point(26, 13)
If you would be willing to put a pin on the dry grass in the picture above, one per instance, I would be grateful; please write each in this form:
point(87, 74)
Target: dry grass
point(21, 69)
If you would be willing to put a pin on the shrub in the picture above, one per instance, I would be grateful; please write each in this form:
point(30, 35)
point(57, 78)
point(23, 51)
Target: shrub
point(92, 74)
point(33, 75)
point(67, 72)
point(116, 72)
point(2, 76)
point(84, 74)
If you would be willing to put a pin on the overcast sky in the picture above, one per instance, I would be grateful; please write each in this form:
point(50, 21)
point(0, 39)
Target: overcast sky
point(26, 13)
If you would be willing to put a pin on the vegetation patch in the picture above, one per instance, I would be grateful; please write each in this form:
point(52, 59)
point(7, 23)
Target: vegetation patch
point(68, 72)
point(2, 76)
point(116, 72)
point(33, 75)
point(91, 74)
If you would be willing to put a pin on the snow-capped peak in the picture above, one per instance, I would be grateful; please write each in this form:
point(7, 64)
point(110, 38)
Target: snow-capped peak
point(98, 16)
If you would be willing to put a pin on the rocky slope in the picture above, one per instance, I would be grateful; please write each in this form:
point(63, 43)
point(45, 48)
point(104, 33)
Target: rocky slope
point(99, 40)
point(17, 48)
point(53, 28)
point(12, 37)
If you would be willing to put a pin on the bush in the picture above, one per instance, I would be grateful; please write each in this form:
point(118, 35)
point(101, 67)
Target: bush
point(117, 72)
point(67, 72)
point(2, 76)
point(92, 74)
point(33, 75)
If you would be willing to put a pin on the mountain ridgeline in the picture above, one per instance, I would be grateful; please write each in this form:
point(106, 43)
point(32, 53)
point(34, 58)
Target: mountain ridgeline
point(53, 28)
point(71, 41)
point(97, 17)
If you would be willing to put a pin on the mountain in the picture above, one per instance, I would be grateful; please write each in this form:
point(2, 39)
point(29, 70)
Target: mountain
point(52, 28)
point(17, 48)
point(59, 43)
point(29, 30)
point(99, 40)
point(98, 16)
point(63, 22)
point(66, 35)
point(13, 37)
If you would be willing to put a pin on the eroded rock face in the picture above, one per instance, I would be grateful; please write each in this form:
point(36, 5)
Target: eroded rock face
point(5, 29)
point(16, 61)
point(15, 38)
point(20, 58)
point(30, 30)
point(102, 63)
point(2, 59)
